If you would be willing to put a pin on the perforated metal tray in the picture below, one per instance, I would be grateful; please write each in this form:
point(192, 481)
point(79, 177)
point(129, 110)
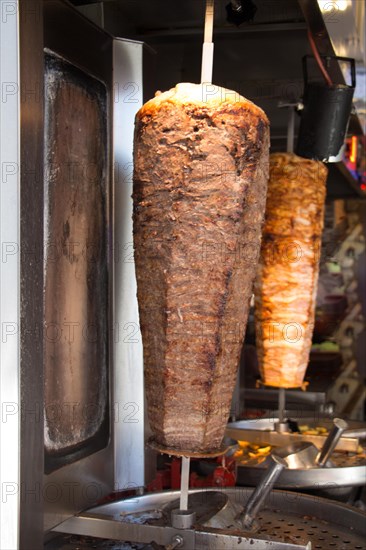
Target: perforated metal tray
point(288, 517)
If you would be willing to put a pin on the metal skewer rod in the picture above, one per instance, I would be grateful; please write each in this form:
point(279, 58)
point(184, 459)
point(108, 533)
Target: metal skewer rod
point(208, 47)
point(281, 405)
point(184, 483)
point(339, 426)
point(290, 134)
point(260, 494)
point(291, 130)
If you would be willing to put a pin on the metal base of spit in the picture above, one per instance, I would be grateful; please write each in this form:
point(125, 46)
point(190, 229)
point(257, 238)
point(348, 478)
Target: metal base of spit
point(289, 521)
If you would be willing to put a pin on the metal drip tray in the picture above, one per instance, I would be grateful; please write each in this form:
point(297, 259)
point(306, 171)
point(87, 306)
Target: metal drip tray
point(347, 469)
point(262, 430)
point(341, 475)
point(289, 520)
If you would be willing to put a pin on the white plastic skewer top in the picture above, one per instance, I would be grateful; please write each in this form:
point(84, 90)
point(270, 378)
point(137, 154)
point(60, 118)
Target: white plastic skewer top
point(208, 47)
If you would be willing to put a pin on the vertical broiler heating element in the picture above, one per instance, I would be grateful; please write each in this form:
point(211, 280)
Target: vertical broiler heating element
point(286, 284)
point(200, 181)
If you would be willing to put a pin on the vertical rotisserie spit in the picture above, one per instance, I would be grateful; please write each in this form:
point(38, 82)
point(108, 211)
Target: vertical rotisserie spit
point(200, 181)
point(287, 278)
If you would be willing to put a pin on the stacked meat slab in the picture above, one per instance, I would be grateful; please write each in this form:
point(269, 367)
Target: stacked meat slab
point(288, 271)
point(200, 183)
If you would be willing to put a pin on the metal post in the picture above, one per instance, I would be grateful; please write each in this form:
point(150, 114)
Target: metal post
point(262, 491)
point(184, 483)
point(9, 276)
point(330, 443)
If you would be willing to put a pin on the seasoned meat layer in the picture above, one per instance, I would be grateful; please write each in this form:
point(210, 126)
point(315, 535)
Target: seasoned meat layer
point(200, 180)
point(288, 270)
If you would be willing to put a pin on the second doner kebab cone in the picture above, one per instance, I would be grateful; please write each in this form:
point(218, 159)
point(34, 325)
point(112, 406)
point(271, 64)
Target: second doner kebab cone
point(286, 284)
point(199, 190)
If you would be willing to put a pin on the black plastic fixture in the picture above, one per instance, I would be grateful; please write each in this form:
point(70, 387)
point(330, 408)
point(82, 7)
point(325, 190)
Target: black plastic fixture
point(239, 11)
point(325, 116)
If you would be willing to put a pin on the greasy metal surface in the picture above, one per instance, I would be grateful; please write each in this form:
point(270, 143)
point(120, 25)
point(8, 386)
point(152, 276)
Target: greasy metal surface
point(310, 478)
point(299, 455)
point(262, 430)
point(206, 540)
point(289, 518)
point(69, 542)
point(75, 542)
point(28, 263)
point(76, 271)
point(355, 427)
point(323, 535)
point(200, 538)
point(271, 437)
point(346, 469)
point(82, 483)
